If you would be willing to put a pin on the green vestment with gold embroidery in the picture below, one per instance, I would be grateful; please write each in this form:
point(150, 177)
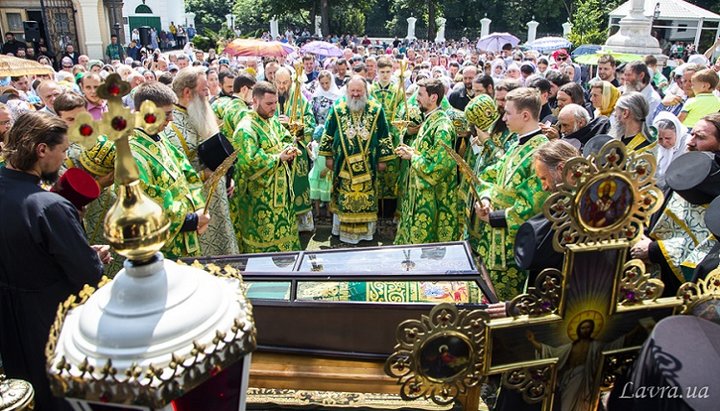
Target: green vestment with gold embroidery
point(220, 104)
point(219, 239)
point(430, 210)
point(167, 178)
point(301, 184)
point(356, 142)
point(491, 151)
point(234, 112)
point(390, 98)
point(682, 237)
point(511, 185)
point(263, 208)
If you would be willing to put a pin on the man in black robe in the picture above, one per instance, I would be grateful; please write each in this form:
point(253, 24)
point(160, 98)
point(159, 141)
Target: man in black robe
point(44, 255)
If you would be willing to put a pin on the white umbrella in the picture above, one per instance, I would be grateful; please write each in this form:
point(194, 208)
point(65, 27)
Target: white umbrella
point(545, 44)
point(495, 41)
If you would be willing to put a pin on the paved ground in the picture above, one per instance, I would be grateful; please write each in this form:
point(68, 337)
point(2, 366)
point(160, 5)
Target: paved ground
point(321, 239)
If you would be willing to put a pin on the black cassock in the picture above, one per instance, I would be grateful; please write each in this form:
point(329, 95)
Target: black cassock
point(44, 257)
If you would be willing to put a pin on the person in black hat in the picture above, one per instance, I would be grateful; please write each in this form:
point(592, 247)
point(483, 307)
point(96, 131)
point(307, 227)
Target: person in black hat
point(679, 239)
point(533, 243)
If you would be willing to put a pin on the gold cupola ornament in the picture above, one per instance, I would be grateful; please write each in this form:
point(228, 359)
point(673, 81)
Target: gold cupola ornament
point(160, 335)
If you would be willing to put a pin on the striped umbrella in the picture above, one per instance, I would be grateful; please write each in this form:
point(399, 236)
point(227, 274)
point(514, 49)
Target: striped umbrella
point(257, 48)
point(14, 66)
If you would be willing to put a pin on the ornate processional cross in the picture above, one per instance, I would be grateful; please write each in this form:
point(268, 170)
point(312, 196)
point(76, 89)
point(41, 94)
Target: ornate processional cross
point(575, 330)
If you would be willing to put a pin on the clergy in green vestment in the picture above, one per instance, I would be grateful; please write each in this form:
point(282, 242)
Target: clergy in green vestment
point(389, 95)
point(264, 211)
point(356, 144)
point(293, 105)
point(239, 106)
point(193, 122)
point(510, 194)
point(220, 102)
point(487, 147)
point(430, 209)
point(168, 178)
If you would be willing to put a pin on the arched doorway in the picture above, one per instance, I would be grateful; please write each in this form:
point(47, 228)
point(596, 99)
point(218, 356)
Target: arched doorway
point(144, 17)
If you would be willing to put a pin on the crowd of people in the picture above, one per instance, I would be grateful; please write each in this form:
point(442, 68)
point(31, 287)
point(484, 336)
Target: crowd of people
point(359, 139)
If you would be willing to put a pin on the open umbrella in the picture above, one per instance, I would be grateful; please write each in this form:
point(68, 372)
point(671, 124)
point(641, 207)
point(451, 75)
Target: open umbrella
point(546, 44)
point(321, 48)
point(585, 49)
point(14, 66)
point(257, 48)
point(495, 41)
point(592, 59)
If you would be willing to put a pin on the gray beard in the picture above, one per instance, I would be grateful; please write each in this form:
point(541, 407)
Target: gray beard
point(356, 105)
point(202, 118)
point(619, 130)
point(636, 86)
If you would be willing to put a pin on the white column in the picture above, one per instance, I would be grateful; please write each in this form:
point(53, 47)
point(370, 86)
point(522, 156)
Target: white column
point(190, 19)
point(567, 27)
point(411, 28)
point(318, 23)
point(90, 18)
point(485, 26)
point(532, 30)
point(440, 36)
point(229, 20)
point(637, 8)
point(274, 30)
point(697, 33)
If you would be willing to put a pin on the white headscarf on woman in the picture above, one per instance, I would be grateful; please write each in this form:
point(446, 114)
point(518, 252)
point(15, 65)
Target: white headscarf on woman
point(333, 93)
point(497, 62)
point(666, 155)
point(323, 100)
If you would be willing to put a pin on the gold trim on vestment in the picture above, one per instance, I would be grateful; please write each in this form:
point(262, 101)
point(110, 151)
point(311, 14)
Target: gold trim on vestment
point(189, 154)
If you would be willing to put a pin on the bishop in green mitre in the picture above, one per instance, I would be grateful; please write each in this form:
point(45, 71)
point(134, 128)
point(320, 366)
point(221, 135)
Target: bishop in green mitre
point(293, 105)
point(356, 143)
point(430, 209)
point(264, 212)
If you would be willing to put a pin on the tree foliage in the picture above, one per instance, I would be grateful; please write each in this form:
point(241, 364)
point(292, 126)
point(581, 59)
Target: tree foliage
point(388, 17)
point(589, 23)
point(209, 13)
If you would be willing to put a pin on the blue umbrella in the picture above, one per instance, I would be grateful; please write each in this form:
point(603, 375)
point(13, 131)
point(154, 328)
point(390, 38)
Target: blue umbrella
point(586, 49)
point(321, 48)
point(495, 41)
point(546, 44)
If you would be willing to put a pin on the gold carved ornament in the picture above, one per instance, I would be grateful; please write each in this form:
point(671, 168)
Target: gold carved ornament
point(439, 356)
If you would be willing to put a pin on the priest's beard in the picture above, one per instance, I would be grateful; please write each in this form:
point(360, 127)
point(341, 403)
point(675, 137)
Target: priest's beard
point(619, 131)
point(202, 117)
point(356, 105)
